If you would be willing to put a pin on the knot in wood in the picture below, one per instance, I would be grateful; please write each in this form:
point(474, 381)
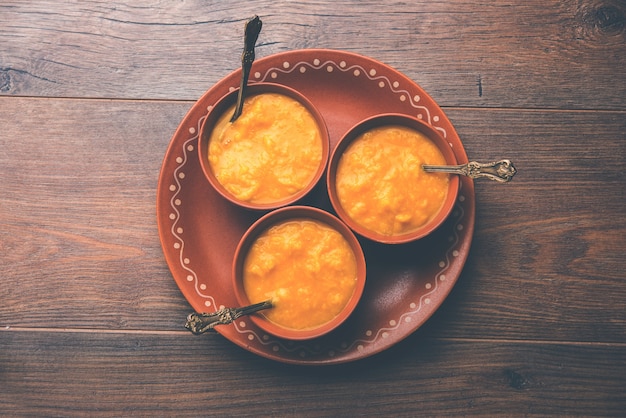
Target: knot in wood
point(5, 80)
point(608, 19)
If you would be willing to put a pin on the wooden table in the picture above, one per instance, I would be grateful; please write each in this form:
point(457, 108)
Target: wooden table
point(90, 316)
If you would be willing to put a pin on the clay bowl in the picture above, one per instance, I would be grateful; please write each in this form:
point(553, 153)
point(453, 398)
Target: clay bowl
point(440, 205)
point(299, 297)
point(278, 144)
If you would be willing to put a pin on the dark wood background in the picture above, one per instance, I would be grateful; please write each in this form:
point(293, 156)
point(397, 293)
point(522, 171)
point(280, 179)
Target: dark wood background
point(91, 93)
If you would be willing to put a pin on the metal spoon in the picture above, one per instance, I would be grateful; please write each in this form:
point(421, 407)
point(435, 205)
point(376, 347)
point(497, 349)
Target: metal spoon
point(199, 323)
point(252, 30)
point(502, 171)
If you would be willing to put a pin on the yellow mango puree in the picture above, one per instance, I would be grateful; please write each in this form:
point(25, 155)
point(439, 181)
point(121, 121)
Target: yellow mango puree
point(306, 268)
point(381, 184)
point(271, 152)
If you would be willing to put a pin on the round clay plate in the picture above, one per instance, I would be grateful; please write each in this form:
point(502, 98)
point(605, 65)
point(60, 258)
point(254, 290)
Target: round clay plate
point(199, 230)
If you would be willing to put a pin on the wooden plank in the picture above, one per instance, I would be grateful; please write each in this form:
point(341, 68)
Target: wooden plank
point(533, 54)
point(79, 234)
point(113, 374)
point(81, 249)
point(549, 243)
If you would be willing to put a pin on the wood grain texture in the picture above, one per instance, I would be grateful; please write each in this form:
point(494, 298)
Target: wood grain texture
point(80, 208)
point(91, 93)
point(78, 374)
point(555, 54)
point(551, 244)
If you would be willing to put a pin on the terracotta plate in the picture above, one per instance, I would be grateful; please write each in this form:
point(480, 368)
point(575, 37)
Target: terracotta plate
point(199, 230)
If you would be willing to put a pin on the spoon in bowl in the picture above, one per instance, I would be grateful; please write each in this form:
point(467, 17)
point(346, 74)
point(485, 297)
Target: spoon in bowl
point(199, 323)
point(251, 34)
point(501, 171)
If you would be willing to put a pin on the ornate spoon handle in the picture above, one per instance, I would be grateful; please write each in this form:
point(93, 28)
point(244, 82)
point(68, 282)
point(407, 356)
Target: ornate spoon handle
point(502, 171)
point(199, 323)
point(252, 30)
